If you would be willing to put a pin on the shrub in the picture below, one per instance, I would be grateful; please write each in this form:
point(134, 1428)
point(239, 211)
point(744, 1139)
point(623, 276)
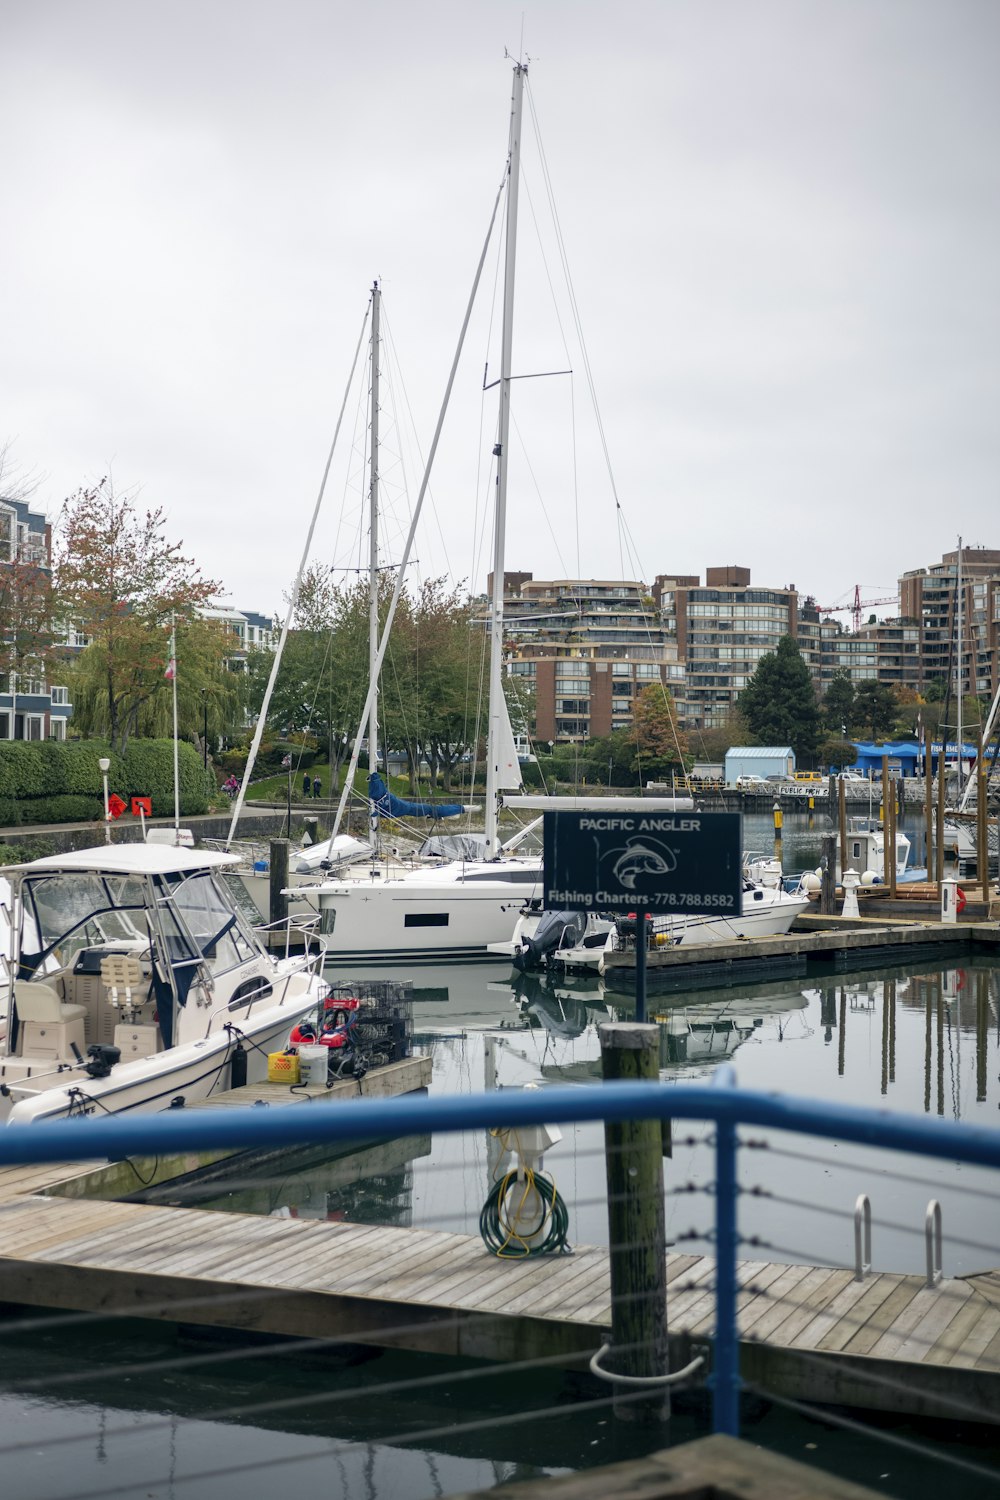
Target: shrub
point(272, 757)
point(22, 773)
point(27, 849)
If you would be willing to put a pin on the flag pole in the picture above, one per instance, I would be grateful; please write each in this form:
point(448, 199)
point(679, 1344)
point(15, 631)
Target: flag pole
point(173, 684)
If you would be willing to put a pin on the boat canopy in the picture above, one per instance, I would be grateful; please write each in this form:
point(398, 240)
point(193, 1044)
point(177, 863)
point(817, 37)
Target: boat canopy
point(129, 859)
point(454, 846)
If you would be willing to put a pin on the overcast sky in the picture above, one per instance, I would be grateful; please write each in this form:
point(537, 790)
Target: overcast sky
point(782, 218)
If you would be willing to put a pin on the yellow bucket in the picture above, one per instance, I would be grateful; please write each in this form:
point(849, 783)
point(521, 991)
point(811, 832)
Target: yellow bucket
point(282, 1067)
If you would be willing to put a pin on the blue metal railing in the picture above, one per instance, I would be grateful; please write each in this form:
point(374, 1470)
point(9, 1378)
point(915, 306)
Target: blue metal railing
point(369, 1119)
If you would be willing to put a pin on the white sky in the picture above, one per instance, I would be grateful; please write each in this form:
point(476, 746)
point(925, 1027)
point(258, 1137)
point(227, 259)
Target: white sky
point(782, 218)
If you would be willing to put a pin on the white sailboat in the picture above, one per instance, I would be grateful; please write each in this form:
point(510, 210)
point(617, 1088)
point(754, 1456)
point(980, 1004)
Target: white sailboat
point(459, 909)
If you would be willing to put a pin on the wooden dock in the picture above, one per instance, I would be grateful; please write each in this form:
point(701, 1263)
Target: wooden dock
point(822, 942)
point(808, 1331)
point(121, 1179)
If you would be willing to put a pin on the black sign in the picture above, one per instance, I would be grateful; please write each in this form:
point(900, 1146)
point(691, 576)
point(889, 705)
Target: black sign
point(665, 862)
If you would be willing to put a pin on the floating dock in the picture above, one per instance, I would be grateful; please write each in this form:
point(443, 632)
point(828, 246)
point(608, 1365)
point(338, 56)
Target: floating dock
point(827, 942)
point(813, 1332)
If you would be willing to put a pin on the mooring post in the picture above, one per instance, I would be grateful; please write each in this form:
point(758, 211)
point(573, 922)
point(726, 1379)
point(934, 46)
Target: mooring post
point(828, 875)
point(842, 821)
point(982, 824)
point(279, 879)
point(939, 844)
point(928, 811)
point(641, 940)
point(636, 1228)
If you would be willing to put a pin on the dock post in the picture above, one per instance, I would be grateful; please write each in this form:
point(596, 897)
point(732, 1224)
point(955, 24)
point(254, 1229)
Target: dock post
point(842, 814)
point(982, 824)
point(636, 1228)
point(279, 879)
point(939, 848)
point(828, 876)
point(888, 829)
point(928, 812)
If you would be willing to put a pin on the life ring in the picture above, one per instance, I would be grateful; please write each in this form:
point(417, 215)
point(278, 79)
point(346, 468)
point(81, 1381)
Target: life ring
point(959, 900)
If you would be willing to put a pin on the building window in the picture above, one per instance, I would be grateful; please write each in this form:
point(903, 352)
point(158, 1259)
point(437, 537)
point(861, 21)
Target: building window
point(60, 696)
point(57, 729)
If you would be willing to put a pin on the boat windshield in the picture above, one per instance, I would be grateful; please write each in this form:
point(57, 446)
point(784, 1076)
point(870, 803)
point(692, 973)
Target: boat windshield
point(199, 921)
point(65, 912)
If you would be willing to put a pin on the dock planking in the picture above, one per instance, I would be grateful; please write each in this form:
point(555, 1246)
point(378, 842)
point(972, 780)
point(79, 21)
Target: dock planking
point(810, 1331)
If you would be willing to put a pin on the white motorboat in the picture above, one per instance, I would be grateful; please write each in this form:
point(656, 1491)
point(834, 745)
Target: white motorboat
point(134, 981)
point(582, 941)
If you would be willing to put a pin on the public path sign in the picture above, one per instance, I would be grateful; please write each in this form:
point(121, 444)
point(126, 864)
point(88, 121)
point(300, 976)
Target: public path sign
point(661, 863)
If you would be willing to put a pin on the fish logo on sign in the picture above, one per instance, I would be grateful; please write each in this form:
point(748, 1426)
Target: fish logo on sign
point(641, 857)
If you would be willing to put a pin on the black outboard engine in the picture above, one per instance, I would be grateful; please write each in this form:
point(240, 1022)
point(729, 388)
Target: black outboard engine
point(557, 929)
point(102, 1059)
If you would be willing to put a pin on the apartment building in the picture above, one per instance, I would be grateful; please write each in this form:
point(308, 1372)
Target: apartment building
point(722, 629)
point(31, 707)
point(250, 632)
point(587, 647)
point(929, 603)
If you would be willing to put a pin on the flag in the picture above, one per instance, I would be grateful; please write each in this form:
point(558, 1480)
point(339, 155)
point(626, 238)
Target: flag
point(170, 671)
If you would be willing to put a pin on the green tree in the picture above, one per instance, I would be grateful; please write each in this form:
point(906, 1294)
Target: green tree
point(875, 707)
point(658, 745)
point(122, 582)
point(779, 703)
point(838, 704)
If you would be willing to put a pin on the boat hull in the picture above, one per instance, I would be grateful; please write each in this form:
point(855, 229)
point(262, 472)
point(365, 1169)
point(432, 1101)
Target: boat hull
point(450, 923)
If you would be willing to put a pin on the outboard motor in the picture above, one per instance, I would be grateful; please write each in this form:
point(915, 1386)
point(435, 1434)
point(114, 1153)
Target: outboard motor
point(557, 929)
point(102, 1059)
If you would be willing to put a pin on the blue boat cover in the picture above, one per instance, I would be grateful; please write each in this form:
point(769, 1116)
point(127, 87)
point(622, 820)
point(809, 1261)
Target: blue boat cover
point(390, 806)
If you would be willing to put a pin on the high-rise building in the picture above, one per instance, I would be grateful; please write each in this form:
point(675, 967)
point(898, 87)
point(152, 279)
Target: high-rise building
point(722, 630)
point(929, 603)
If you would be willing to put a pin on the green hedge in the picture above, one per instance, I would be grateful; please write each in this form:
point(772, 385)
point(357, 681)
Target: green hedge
point(272, 757)
point(52, 783)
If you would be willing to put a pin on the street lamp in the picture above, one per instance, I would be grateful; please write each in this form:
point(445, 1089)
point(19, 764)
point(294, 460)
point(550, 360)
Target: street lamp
point(204, 728)
point(105, 765)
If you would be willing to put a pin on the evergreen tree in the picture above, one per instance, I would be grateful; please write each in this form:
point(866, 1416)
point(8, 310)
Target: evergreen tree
point(838, 704)
point(875, 707)
point(779, 704)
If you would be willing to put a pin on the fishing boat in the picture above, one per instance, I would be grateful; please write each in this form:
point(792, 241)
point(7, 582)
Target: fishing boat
point(579, 942)
point(464, 906)
point(136, 983)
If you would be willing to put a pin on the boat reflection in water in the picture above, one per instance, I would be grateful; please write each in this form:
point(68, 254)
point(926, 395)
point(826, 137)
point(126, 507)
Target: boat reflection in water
point(695, 1035)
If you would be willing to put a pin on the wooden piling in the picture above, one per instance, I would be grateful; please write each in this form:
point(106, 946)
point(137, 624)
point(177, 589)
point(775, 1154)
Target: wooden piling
point(982, 823)
point(636, 1228)
point(279, 855)
point(842, 817)
point(828, 875)
point(888, 829)
point(928, 811)
point(939, 848)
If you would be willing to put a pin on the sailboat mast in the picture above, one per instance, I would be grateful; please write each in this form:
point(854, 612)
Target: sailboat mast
point(959, 630)
point(373, 559)
point(493, 743)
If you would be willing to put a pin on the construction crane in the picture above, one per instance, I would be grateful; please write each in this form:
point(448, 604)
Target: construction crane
point(854, 610)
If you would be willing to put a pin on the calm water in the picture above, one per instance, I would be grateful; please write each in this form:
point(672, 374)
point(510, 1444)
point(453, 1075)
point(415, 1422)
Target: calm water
point(97, 1409)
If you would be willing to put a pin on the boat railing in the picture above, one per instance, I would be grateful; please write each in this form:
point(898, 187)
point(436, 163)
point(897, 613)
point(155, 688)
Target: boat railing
point(294, 937)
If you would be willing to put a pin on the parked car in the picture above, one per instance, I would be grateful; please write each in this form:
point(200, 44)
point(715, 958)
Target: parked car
point(852, 776)
point(752, 784)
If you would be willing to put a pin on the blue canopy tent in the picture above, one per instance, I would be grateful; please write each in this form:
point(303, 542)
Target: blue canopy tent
point(903, 755)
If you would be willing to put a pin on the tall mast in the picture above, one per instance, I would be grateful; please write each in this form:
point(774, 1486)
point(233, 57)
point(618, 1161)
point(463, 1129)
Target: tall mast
point(373, 560)
point(960, 631)
point(496, 603)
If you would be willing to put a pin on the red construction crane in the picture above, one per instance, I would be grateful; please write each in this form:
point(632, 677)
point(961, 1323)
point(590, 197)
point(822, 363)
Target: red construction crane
point(855, 609)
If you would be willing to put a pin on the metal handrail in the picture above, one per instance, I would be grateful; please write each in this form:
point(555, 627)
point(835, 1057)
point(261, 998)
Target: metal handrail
point(862, 1218)
point(370, 1118)
point(933, 1236)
